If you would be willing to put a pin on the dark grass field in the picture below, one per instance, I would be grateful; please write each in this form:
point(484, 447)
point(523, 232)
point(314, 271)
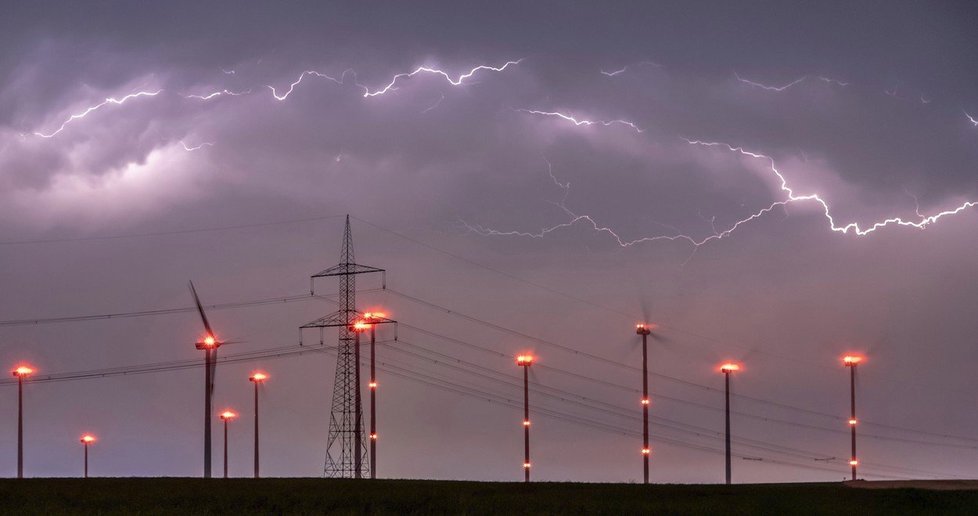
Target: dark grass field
point(318, 496)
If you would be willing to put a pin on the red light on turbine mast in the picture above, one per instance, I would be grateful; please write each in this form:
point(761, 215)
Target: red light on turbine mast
point(852, 422)
point(23, 371)
point(644, 328)
point(646, 451)
point(851, 360)
point(258, 377)
point(524, 360)
point(853, 462)
point(228, 415)
point(87, 439)
point(729, 367)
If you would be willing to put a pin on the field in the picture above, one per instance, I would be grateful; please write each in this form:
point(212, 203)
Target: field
point(318, 496)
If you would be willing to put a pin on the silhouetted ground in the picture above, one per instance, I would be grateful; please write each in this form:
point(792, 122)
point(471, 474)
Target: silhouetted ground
point(318, 496)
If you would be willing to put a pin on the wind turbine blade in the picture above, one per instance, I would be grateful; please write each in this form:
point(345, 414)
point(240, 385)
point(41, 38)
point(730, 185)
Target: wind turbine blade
point(200, 308)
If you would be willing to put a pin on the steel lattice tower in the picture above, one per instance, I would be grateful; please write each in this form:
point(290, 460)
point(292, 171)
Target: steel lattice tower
point(346, 447)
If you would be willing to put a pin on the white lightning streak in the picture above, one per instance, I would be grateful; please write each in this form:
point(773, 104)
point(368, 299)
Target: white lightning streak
point(625, 68)
point(83, 114)
point(197, 147)
point(614, 73)
point(580, 122)
point(791, 197)
point(425, 69)
point(302, 76)
point(433, 106)
point(218, 94)
point(971, 119)
point(795, 82)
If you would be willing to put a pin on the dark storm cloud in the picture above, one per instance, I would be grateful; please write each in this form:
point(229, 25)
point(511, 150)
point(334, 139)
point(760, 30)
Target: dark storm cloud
point(874, 117)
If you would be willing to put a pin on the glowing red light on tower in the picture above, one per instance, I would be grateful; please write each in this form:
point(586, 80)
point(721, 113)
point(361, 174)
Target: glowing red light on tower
point(646, 401)
point(729, 367)
point(854, 462)
point(851, 360)
point(526, 465)
point(374, 315)
point(524, 360)
point(209, 341)
point(23, 371)
point(258, 377)
point(852, 422)
point(646, 451)
point(644, 328)
point(87, 439)
point(228, 415)
point(360, 326)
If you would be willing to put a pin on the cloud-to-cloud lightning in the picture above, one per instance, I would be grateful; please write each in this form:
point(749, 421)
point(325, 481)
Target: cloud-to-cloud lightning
point(189, 148)
point(795, 82)
point(218, 94)
point(580, 121)
point(83, 114)
point(302, 76)
point(791, 197)
point(625, 68)
point(425, 69)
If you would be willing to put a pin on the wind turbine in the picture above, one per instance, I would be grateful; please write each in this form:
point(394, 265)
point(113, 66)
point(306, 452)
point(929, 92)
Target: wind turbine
point(209, 344)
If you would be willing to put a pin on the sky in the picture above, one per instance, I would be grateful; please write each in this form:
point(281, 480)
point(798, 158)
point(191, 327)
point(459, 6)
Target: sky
point(772, 183)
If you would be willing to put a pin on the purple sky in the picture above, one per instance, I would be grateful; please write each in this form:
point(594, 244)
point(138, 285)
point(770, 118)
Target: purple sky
point(772, 184)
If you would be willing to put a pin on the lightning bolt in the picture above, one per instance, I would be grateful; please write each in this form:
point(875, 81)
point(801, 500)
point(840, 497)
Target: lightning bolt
point(971, 119)
point(625, 68)
point(303, 75)
point(425, 69)
point(795, 82)
point(218, 94)
point(110, 100)
point(614, 73)
point(197, 147)
point(433, 106)
point(580, 122)
point(790, 197)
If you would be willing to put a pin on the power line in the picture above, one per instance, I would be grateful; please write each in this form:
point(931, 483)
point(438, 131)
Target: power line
point(38, 321)
point(615, 410)
point(778, 404)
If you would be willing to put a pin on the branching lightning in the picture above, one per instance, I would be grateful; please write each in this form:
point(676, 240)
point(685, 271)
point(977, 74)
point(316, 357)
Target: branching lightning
point(582, 121)
point(795, 82)
point(295, 83)
point(425, 69)
point(971, 119)
point(790, 197)
point(83, 114)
